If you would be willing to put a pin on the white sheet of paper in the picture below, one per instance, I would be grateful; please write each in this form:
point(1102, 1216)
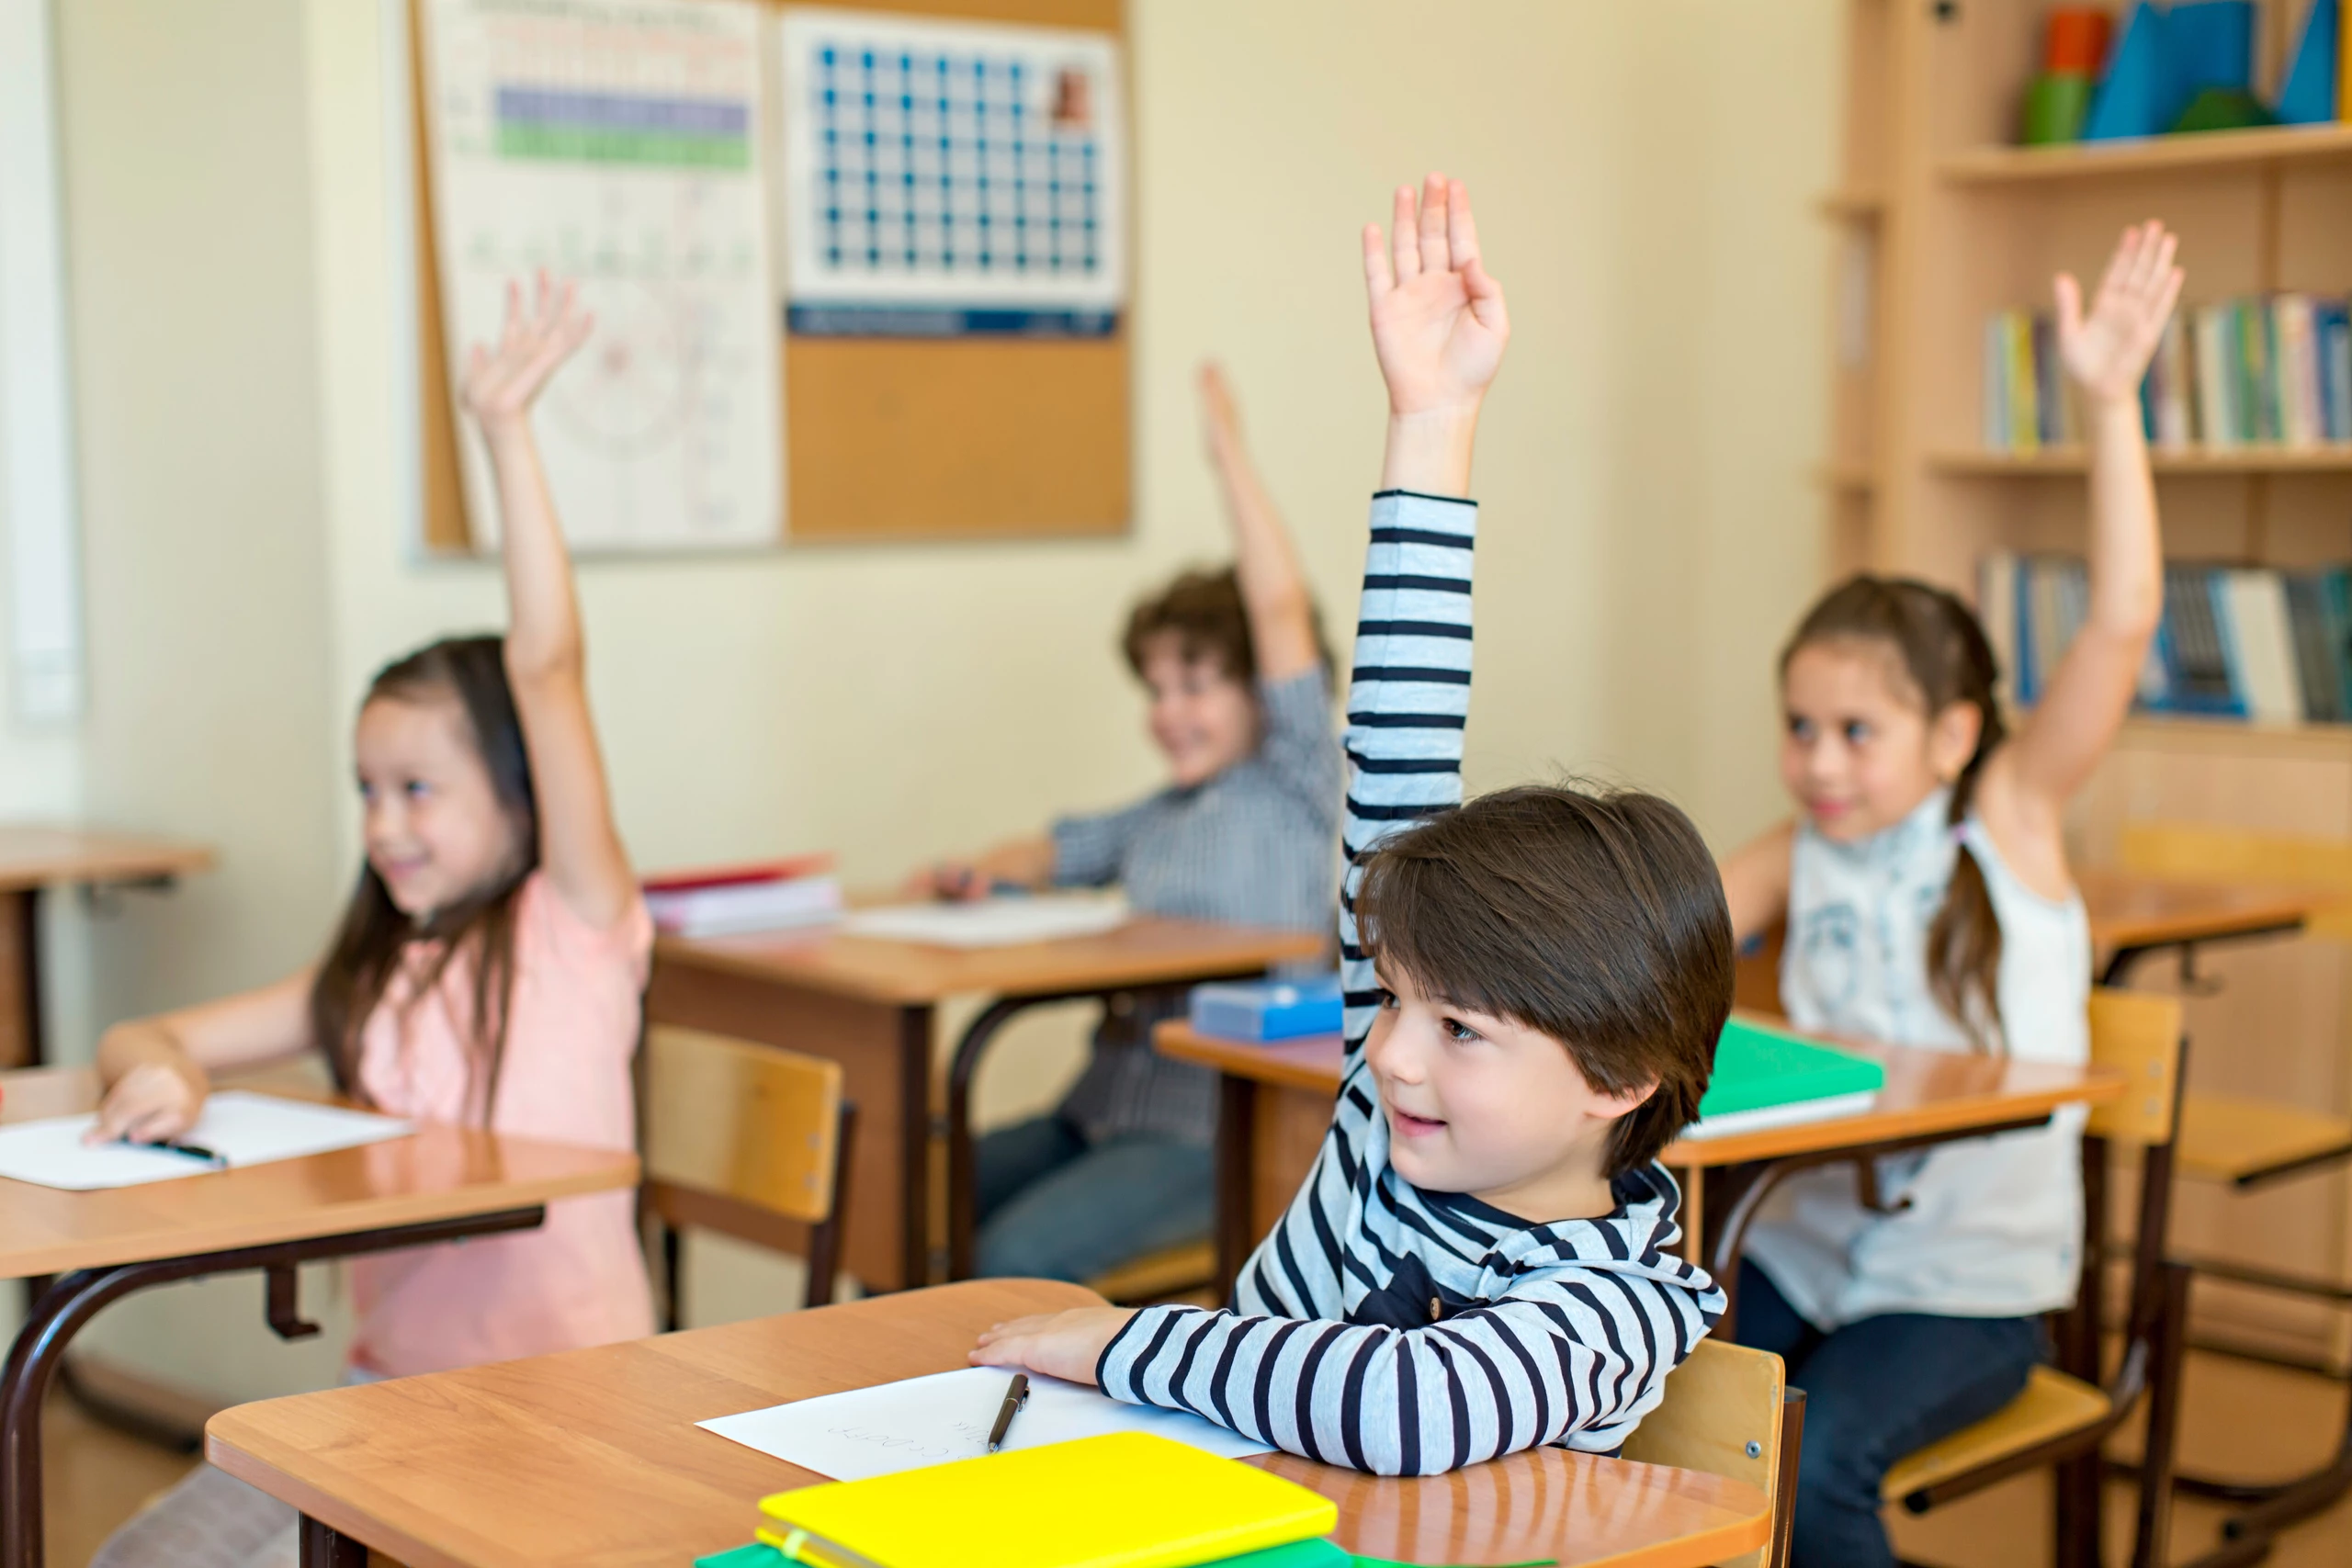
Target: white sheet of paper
point(993, 922)
point(922, 1421)
point(243, 1128)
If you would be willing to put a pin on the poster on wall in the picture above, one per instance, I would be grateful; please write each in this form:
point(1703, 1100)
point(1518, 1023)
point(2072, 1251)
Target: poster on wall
point(945, 178)
point(617, 142)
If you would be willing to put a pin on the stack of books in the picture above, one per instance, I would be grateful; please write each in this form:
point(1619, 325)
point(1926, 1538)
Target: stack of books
point(2269, 370)
point(1127, 1500)
point(764, 896)
point(2256, 643)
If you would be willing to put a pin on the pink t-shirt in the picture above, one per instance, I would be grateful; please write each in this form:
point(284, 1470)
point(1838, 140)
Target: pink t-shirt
point(579, 1279)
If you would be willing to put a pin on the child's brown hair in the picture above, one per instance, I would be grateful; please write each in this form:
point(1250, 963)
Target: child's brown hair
point(374, 937)
point(1946, 659)
point(1597, 918)
point(1204, 612)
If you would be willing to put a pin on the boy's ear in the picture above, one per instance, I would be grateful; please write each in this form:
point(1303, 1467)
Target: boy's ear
point(1607, 1107)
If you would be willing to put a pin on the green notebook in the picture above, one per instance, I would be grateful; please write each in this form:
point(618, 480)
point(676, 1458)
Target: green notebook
point(1769, 1078)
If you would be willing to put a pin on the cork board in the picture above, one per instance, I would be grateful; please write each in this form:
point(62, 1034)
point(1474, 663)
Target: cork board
point(886, 439)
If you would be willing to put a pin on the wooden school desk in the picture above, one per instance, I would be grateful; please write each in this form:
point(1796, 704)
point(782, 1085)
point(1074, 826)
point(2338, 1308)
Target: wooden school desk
point(2133, 917)
point(594, 1457)
point(35, 859)
point(442, 1184)
point(868, 1004)
point(1274, 1105)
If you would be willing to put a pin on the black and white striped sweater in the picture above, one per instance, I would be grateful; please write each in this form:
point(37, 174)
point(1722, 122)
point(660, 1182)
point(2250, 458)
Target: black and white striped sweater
point(1382, 1327)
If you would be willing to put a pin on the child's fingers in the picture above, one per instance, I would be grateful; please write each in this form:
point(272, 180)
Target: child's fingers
point(2119, 264)
point(1460, 229)
point(1402, 247)
point(2070, 304)
point(2160, 266)
point(1378, 277)
point(2170, 294)
point(1486, 297)
point(1431, 231)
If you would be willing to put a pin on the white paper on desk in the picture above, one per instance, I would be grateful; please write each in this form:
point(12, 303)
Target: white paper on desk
point(243, 1128)
point(1005, 921)
point(923, 1421)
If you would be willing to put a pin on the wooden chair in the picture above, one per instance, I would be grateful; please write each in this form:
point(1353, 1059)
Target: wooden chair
point(2249, 1143)
point(2064, 1415)
point(1729, 1411)
point(1180, 1270)
point(747, 1138)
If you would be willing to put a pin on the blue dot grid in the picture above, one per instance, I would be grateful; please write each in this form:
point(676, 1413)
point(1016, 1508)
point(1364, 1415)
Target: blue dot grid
point(934, 161)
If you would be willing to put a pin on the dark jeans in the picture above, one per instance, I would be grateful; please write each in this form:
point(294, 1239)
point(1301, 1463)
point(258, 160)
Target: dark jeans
point(1051, 1206)
point(1876, 1390)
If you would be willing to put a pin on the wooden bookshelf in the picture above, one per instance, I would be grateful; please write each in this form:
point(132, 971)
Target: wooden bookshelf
point(2160, 154)
point(2333, 458)
point(1939, 223)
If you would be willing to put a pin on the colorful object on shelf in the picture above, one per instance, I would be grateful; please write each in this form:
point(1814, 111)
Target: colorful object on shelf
point(2056, 104)
point(2314, 84)
point(2134, 97)
point(2075, 39)
point(2222, 108)
point(2169, 62)
point(2058, 100)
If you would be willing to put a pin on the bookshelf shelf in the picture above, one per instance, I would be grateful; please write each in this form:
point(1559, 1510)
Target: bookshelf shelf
point(2254, 148)
point(2059, 461)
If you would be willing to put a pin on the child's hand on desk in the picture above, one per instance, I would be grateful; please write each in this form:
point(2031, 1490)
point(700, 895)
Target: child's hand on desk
point(146, 1105)
point(1064, 1345)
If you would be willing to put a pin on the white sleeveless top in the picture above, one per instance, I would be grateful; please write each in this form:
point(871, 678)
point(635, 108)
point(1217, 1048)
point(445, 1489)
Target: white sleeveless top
point(1991, 1226)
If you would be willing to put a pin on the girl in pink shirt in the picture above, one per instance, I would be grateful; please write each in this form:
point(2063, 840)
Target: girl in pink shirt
point(487, 969)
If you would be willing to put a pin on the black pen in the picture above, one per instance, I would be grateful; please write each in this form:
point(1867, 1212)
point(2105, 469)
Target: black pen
point(1016, 1395)
point(193, 1151)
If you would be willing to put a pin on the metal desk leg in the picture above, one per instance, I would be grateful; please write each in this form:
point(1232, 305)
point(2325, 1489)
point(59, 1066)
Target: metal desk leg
point(325, 1548)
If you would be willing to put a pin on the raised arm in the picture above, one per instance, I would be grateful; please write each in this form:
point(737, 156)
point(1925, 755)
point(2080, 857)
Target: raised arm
point(2106, 351)
point(545, 661)
point(1273, 591)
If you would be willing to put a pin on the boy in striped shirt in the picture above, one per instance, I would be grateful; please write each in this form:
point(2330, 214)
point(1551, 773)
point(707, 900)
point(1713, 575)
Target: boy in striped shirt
point(1477, 1261)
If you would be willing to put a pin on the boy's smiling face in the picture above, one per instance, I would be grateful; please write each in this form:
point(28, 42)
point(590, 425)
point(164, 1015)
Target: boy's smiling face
point(1486, 1105)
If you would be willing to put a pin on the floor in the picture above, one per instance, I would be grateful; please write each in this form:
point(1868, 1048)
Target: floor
point(2243, 1419)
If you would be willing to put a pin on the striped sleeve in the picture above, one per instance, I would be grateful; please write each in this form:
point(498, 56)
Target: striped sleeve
point(1408, 699)
point(1578, 1359)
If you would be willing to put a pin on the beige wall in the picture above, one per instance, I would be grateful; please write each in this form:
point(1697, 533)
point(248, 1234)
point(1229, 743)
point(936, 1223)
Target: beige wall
point(1642, 173)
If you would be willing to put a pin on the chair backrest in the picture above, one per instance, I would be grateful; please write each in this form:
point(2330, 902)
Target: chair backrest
point(750, 1122)
point(1721, 1414)
point(2194, 852)
point(2138, 1033)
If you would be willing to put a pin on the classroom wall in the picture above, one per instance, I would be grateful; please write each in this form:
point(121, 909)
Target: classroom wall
point(1643, 173)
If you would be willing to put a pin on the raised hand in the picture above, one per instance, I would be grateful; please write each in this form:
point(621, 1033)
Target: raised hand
point(1220, 421)
point(501, 383)
point(2107, 351)
point(1438, 321)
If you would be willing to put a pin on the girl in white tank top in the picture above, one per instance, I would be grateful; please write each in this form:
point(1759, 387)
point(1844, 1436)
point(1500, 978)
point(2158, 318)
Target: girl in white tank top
point(1927, 902)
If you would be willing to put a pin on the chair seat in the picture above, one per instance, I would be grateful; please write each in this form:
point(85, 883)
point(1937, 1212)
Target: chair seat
point(1156, 1274)
point(2226, 1139)
point(2052, 1407)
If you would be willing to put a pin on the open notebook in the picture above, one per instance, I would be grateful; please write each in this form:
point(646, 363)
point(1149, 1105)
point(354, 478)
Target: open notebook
point(239, 1127)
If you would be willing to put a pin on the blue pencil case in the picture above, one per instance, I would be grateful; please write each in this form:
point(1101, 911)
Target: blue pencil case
point(1267, 1010)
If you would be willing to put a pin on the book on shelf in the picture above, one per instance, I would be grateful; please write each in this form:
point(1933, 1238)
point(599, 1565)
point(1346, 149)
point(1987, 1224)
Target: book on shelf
point(2261, 643)
point(2270, 370)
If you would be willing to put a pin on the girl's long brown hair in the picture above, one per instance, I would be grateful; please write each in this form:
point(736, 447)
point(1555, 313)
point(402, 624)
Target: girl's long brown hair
point(374, 935)
point(1945, 653)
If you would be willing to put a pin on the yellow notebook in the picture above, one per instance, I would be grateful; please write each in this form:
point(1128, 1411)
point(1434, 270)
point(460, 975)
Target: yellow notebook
point(1127, 1500)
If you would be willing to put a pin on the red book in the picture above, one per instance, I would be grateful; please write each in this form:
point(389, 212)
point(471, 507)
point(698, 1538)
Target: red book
point(696, 879)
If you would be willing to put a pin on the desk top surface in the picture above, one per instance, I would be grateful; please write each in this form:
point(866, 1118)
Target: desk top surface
point(1927, 1093)
point(2131, 910)
point(34, 856)
point(1147, 951)
point(439, 1173)
point(592, 1458)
